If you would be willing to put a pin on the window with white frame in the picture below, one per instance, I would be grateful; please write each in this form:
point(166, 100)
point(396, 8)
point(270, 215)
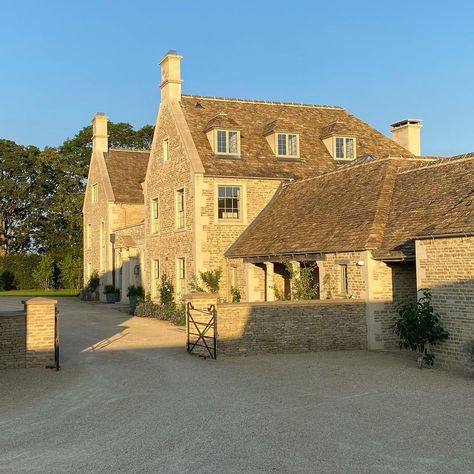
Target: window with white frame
point(287, 145)
point(166, 149)
point(179, 209)
point(94, 193)
point(155, 278)
point(229, 202)
point(344, 148)
point(344, 282)
point(180, 276)
point(154, 215)
point(227, 142)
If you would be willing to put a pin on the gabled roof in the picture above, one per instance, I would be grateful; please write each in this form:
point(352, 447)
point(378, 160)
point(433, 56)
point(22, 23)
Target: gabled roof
point(127, 169)
point(381, 205)
point(432, 200)
point(254, 119)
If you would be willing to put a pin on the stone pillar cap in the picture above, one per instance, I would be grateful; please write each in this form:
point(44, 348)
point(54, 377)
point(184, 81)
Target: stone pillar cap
point(40, 300)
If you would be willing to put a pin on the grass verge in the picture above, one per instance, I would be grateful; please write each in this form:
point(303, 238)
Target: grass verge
point(33, 293)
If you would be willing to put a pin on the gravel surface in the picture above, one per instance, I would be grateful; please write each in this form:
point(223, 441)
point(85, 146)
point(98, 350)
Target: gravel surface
point(129, 398)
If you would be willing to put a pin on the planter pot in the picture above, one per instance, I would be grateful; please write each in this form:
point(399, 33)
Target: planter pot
point(133, 300)
point(110, 297)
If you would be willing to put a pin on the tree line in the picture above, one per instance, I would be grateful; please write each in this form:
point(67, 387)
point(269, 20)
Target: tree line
point(42, 191)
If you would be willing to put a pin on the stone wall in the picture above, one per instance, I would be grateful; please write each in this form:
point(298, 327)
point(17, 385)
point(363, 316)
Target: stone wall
point(27, 338)
point(12, 340)
point(290, 326)
point(163, 179)
point(446, 267)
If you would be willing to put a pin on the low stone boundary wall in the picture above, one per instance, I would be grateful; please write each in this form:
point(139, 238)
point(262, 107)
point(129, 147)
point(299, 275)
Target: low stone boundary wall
point(291, 326)
point(27, 337)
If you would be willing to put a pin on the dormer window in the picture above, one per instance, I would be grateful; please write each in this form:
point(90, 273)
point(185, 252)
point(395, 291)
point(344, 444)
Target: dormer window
point(227, 142)
point(344, 148)
point(287, 145)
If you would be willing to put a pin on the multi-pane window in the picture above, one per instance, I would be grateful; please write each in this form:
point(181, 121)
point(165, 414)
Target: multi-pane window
point(179, 208)
point(287, 145)
point(344, 279)
point(180, 276)
point(155, 278)
point(345, 148)
point(154, 215)
point(229, 202)
point(227, 142)
point(165, 149)
point(94, 193)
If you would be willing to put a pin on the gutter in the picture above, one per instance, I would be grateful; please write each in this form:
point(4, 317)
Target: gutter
point(443, 236)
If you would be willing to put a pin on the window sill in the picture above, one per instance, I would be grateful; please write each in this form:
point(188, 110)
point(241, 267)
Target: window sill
point(181, 229)
point(230, 222)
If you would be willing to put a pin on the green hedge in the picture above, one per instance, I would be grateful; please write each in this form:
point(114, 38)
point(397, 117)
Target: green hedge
point(21, 268)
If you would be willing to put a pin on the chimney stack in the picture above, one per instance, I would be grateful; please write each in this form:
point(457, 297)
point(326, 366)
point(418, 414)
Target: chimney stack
point(407, 134)
point(100, 139)
point(171, 76)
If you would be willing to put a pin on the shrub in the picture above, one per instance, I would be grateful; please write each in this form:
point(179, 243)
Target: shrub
point(166, 291)
point(70, 267)
point(135, 291)
point(94, 282)
point(147, 308)
point(236, 296)
point(109, 289)
point(44, 272)
point(302, 284)
point(211, 280)
point(418, 327)
point(21, 266)
point(7, 281)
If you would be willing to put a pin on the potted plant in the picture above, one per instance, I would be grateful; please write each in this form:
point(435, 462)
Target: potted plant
point(110, 293)
point(133, 293)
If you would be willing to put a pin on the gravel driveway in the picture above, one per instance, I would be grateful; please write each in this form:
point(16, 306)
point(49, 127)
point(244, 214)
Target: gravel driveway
point(130, 399)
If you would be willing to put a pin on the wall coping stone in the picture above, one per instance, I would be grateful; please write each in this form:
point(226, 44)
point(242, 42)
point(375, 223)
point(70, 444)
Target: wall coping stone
point(201, 295)
point(273, 304)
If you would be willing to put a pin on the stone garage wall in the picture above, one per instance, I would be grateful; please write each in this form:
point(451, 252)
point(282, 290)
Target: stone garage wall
point(446, 267)
point(291, 326)
point(27, 337)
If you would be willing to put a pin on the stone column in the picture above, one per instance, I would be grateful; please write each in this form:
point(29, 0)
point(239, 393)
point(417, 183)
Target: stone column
point(269, 281)
point(40, 314)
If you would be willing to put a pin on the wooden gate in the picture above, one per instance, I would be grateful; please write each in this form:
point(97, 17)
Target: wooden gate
point(201, 328)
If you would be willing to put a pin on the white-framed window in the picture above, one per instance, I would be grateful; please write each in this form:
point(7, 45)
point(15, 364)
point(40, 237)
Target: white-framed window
point(166, 149)
point(227, 142)
point(287, 145)
point(89, 236)
point(180, 276)
point(94, 193)
point(102, 247)
point(344, 281)
point(344, 148)
point(179, 209)
point(154, 215)
point(155, 278)
point(229, 202)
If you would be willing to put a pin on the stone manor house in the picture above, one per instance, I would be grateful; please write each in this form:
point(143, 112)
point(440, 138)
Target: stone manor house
point(245, 185)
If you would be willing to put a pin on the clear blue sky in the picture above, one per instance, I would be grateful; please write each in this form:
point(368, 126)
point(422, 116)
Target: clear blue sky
point(61, 61)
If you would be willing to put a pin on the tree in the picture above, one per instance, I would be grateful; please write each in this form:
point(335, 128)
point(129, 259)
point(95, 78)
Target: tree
point(43, 273)
point(419, 328)
point(18, 178)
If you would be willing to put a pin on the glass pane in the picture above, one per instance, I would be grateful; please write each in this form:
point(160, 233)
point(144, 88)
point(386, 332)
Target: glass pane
point(233, 143)
point(222, 190)
point(292, 145)
point(350, 148)
point(339, 147)
point(221, 141)
point(281, 144)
